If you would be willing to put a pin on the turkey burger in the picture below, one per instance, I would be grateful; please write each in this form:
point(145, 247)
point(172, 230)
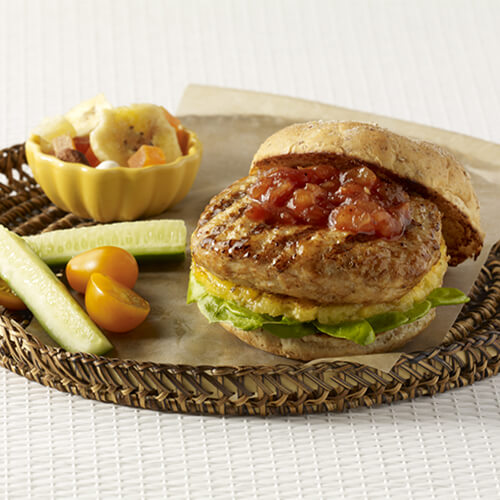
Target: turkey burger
point(336, 243)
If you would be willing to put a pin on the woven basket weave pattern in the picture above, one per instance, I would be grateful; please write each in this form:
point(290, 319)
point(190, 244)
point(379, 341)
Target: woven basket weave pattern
point(470, 351)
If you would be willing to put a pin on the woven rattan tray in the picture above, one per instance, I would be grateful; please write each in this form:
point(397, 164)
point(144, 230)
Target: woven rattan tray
point(470, 353)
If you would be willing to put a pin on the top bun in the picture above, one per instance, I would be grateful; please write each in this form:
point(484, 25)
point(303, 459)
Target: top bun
point(422, 167)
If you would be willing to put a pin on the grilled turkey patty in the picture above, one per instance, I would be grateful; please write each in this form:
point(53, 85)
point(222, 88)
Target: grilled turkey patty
point(319, 264)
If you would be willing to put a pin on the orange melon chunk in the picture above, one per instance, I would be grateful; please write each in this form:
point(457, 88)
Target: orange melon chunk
point(145, 156)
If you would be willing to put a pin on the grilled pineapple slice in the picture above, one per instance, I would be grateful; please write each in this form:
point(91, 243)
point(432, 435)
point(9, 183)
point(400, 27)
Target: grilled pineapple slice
point(306, 310)
point(123, 130)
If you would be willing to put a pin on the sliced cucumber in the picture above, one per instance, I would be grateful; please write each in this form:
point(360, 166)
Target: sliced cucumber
point(47, 298)
point(143, 239)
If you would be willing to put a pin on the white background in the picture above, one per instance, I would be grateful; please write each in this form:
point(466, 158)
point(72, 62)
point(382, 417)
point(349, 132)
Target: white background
point(434, 62)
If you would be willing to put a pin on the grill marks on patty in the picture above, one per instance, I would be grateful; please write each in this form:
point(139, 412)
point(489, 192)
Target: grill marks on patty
point(306, 262)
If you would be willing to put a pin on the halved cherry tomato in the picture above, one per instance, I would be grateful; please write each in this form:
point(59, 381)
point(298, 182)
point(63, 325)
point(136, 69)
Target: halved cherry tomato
point(9, 299)
point(113, 306)
point(112, 261)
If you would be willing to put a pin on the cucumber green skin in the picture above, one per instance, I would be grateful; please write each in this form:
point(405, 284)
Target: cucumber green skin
point(158, 239)
point(58, 261)
point(47, 298)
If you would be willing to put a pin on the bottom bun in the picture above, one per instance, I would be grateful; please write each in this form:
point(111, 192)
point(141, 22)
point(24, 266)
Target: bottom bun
point(324, 346)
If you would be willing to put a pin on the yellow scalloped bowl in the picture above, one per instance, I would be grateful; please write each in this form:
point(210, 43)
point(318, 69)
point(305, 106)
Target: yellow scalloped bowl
point(117, 194)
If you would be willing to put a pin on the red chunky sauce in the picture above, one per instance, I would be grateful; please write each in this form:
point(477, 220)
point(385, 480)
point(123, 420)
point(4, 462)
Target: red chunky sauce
point(353, 200)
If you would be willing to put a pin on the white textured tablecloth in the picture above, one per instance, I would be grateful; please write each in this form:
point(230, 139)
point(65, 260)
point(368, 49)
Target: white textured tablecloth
point(434, 62)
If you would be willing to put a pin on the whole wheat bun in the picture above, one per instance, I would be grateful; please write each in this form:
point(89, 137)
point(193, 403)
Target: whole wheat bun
point(422, 167)
point(324, 346)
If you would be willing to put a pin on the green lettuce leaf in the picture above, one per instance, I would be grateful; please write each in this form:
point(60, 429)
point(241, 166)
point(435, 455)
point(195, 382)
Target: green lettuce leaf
point(362, 332)
point(384, 322)
point(218, 310)
point(195, 290)
point(446, 297)
point(418, 311)
point(294, 331)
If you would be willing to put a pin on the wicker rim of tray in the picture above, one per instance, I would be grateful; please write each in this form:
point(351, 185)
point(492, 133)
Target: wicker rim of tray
point(470, 351)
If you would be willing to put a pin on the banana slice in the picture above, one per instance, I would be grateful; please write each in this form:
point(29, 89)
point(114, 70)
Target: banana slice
point(49, 129)
point(122, 131)
point(85, 116)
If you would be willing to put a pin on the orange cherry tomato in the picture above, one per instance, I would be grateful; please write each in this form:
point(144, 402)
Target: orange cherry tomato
point(113, 306)
point(112, 261)
point(8, 298)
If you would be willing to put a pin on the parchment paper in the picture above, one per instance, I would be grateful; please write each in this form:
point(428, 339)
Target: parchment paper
point(178, 333)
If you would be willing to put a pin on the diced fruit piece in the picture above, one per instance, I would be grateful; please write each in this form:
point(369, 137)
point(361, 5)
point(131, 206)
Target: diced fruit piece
point(108, 260)
point(302, 199)
point(352, 218)
point(62, 142)
point(259, 189)
point(349, 191)
point(113, 306)
point(173, 120)
point(321, 173)
point(279, 195)
point(146, 156)
point(385, 224)
point(91, 157)
point(362, 176)
point(85, 116)
point(183, 139)
point(47, 298)
point(82, 143)
point(123, 130)
point(182, 134)
point(258, 212)
point(308, 204)
point(8, 298)
point(299, 176)
point(72, 156)
point(51, 128)
point(330, 186)
point(143, 239)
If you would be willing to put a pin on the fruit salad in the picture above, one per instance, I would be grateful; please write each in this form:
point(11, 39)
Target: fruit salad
point(97, 135)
